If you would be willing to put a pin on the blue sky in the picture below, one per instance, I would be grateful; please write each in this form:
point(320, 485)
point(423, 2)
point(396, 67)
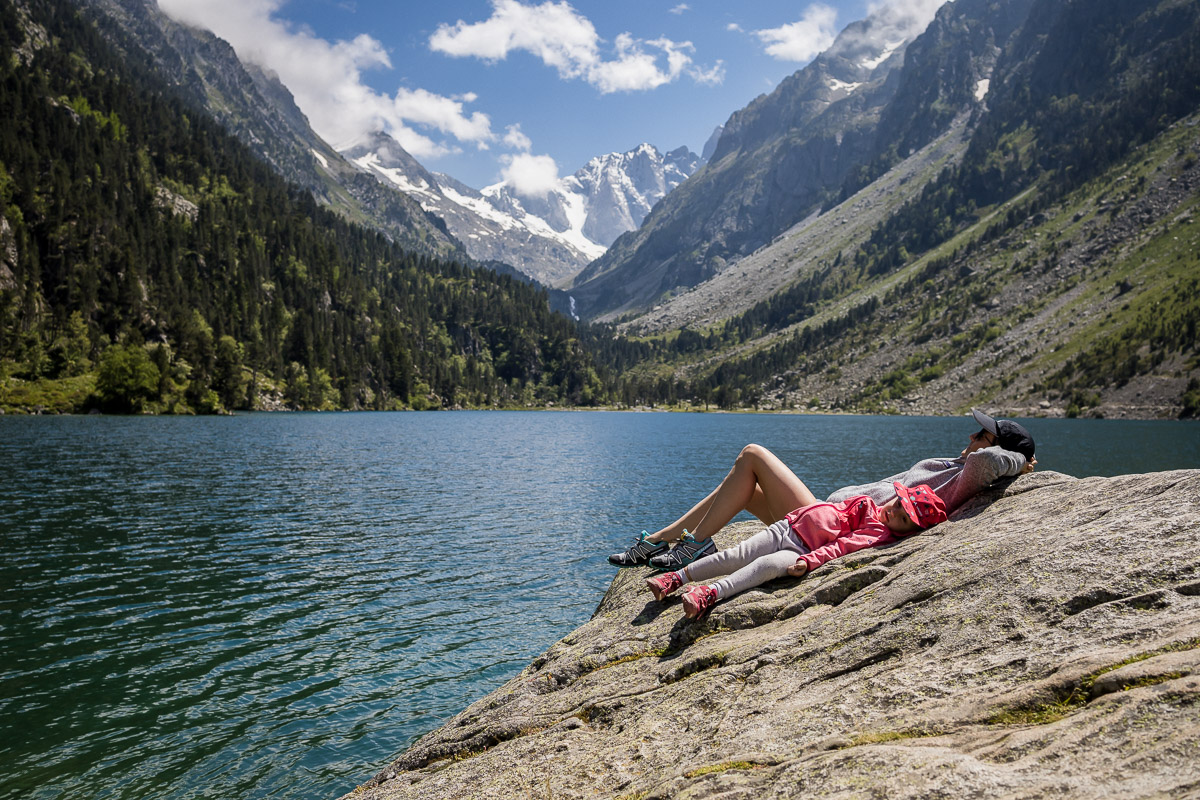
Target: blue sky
point(521, 90)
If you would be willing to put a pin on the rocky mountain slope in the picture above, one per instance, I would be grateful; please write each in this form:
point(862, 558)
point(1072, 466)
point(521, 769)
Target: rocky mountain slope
point(549, 237)
point(973, 660)
point(852, 112)
point(1087, 305)
point(259, 110)
point(802, 250)
point(1039, 253)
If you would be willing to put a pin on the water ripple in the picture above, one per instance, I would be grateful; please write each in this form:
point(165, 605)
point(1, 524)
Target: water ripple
point(274, 605)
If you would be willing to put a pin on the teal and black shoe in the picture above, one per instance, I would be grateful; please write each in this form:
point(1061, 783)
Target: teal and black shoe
point(639, 552)
point(684, 553)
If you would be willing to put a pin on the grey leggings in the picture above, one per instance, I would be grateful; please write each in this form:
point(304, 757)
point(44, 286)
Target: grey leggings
point(764, 556)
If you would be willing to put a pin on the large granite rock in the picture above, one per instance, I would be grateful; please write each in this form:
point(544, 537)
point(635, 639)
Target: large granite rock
point(1043, 642)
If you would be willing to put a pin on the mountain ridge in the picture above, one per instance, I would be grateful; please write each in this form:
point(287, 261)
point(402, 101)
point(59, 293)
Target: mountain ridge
point(549, 237)
point(910, 296)
point(856, 110)
point(260, 111)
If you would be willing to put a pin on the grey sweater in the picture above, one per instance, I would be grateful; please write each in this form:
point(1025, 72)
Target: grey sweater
point(955, 480)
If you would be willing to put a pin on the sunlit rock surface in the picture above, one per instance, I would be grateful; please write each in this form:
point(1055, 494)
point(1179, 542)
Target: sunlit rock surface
point(1043, 642)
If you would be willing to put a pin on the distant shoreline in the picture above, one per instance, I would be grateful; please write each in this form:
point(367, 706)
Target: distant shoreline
point(1020, 413)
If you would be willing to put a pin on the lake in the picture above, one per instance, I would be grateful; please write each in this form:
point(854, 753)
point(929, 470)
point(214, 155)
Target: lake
point(275, 605)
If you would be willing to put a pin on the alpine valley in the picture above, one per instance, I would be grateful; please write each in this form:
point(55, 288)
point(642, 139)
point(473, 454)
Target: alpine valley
point(997, 209)
point(549, 238)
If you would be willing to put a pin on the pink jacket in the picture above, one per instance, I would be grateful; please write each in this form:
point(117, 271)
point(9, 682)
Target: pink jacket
point(830, 530)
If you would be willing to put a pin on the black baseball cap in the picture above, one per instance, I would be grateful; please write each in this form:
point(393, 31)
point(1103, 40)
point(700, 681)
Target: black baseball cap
point(1009, 434)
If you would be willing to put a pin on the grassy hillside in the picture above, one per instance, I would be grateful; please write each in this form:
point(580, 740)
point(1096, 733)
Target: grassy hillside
point(1045, 267)
point(1086, 304)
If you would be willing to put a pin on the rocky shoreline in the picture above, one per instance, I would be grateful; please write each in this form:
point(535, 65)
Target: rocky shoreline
point(1044, 641)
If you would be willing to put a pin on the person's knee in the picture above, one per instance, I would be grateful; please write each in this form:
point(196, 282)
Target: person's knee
point(780, 561)
point(753, 452)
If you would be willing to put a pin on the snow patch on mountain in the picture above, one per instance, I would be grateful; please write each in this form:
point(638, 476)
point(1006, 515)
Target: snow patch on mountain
point(571, 208)
point(835, 85)
point(419, 188)
point(549, 237)
point(888, 49)
point(480, 206)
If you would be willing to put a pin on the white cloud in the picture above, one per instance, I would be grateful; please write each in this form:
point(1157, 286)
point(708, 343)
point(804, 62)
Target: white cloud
point(679, 9)
point(444, 114)
point(711, 76)
point(326, 79)
point(534, 176)
point(516, 139)
point(892, 21)
point(733, 26)
point(567, 41)
point(906, 19)
point(804, 39)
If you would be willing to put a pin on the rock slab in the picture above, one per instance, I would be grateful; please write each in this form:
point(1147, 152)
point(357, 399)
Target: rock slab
point(1043, 642)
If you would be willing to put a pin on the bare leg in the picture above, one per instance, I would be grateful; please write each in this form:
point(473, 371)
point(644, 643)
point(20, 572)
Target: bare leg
point(759, 483)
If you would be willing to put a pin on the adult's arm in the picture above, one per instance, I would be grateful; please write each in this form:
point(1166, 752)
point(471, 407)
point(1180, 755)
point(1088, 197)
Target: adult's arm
point(986, 466)
point(879, 491)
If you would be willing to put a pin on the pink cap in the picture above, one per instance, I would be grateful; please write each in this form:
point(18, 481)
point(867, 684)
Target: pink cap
point(923, 506)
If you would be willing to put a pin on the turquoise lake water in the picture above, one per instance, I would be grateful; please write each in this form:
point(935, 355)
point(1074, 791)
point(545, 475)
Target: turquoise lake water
point(275, 605)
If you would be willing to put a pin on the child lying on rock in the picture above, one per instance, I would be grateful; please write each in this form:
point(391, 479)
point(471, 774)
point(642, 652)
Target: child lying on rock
point(803, 540)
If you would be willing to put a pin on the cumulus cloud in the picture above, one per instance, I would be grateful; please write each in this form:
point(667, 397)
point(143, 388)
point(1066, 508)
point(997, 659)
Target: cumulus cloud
point(326, 79)
point(711, 76)
point(530, 175)
point(679, 9)
point(516, 139)
point(444, 114)
point(733, 26)
point(892, 22)
point(905, 19)
point(567, 41)
point(804, 39)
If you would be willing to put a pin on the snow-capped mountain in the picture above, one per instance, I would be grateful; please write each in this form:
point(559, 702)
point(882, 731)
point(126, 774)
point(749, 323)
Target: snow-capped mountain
point(553, 237)
point(615, 192)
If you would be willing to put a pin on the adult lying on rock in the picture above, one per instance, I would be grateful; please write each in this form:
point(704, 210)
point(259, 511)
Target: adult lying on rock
point(803, 540)
point(762, 484)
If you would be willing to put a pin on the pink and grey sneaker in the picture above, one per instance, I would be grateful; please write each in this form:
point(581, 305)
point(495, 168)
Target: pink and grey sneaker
point(698, 600)
point(662, 585)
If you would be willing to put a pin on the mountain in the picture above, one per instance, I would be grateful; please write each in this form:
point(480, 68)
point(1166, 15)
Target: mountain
point(791, 152)
point(151, 262)
point(258, 109)
point(549, 237)
point(1037, 254)
point(1002, 212)
point(377, 183)
point(710, 146)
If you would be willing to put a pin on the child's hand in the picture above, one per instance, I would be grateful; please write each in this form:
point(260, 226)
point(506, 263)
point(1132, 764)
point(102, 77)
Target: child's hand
point(798, 569)
point(1029, 465)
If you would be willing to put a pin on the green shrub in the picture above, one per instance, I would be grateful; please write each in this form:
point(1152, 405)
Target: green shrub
point(127, 380)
